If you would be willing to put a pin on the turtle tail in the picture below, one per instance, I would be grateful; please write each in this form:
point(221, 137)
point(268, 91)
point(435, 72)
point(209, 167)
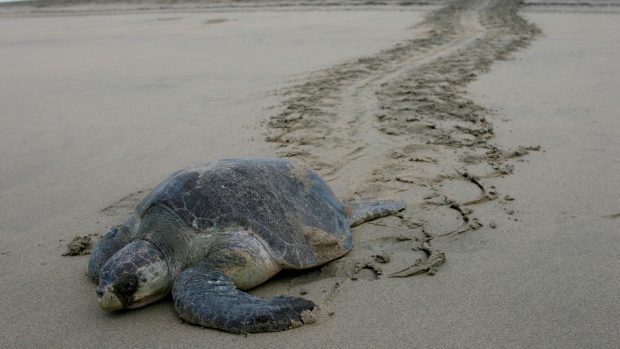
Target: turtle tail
point(359, 212)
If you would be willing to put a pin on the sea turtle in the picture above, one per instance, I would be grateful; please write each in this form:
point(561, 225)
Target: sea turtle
point(208, 232)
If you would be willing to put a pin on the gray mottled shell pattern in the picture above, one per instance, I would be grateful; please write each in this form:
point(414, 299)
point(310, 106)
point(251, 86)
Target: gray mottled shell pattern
point(287, 205)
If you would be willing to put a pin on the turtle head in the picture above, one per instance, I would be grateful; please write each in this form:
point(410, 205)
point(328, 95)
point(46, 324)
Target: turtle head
point(135, 276)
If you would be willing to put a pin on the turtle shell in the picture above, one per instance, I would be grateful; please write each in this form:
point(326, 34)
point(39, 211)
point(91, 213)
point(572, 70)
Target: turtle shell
point(284, 203)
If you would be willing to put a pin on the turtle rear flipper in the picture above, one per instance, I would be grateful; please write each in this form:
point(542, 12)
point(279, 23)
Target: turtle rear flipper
point(210, 299)
point(362, 211)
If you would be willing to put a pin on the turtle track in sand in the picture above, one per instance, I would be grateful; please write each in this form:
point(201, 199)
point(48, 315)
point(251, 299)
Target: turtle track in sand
point(399, 124)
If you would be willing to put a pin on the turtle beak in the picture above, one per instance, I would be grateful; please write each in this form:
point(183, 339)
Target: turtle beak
point(110, 302)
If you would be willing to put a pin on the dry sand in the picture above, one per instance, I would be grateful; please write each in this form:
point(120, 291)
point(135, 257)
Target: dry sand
point(97, 109)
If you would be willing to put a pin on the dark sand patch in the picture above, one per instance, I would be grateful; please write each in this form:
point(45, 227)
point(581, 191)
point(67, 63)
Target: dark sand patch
point(81, 245)
point(216, 21)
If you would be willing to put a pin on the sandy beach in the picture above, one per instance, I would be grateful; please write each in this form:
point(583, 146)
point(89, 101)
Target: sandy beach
point(495, 122)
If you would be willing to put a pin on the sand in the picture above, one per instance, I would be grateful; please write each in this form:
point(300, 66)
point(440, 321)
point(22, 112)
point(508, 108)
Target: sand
point(98, 109)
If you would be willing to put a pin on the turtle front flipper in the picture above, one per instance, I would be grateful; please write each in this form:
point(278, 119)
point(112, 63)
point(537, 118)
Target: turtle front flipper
point(359, 212)
point(210, 299)
point(110, 243)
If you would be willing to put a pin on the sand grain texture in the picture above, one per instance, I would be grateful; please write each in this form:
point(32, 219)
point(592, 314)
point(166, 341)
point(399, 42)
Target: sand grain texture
point(509, 179)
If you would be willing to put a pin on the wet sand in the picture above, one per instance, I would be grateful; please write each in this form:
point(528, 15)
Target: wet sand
point(103, 107)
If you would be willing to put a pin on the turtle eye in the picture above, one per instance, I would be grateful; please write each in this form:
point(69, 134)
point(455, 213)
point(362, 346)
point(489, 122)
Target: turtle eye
point(126, 284)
